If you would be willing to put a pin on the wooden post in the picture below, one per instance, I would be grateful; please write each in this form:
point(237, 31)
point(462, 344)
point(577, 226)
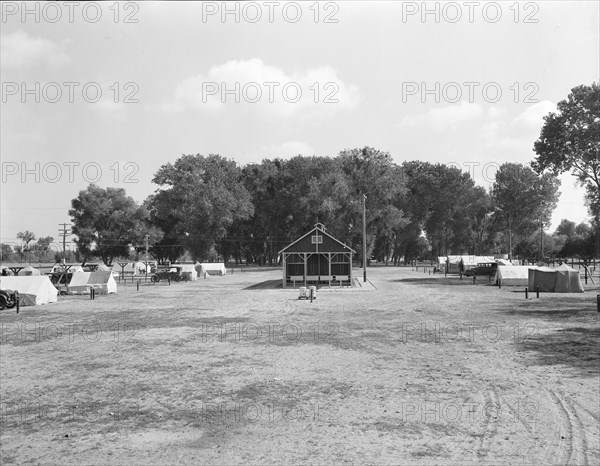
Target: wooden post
point(305, 268)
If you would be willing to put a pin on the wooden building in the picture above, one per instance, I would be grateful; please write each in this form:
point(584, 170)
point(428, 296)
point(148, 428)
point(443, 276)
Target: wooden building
point(317, 258)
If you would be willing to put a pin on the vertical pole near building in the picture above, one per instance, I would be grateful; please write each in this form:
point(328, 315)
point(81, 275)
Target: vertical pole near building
point(147, 237)
point(364, 238)
point(541, 241)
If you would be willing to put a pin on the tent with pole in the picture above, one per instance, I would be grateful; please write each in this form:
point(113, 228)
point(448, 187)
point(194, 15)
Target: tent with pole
point(33, 290)
point(102, 282)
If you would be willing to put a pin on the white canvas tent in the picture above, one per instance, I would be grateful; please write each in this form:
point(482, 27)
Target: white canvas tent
point(73, 268)
point(210, 268)
point(191, 270)
point(102, 282)
point(563, 279)
point(32, 289)
point(137, 268)
point(513, 275)
point(29, 271)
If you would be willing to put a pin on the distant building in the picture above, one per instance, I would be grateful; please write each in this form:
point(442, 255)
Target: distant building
point(317, 258)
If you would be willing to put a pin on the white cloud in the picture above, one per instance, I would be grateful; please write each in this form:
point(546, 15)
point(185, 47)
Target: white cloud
point(533, 116)
point(20, 50)
point(257, 87)
point(496, 112)
point(287, 149)
point(446, 117)
point(517, 133)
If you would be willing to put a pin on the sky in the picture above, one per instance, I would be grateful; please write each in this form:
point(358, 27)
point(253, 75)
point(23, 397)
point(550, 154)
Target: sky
point(109, 93)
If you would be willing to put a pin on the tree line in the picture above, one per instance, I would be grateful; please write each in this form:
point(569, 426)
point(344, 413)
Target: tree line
point(209, 207)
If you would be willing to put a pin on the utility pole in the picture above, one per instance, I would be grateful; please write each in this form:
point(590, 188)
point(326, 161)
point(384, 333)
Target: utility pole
point(147, 255)
point(64, 231)
point(541, 241)
point(364, 239)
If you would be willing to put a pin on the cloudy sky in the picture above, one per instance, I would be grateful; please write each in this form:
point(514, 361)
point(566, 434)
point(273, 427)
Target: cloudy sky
point(108, 94)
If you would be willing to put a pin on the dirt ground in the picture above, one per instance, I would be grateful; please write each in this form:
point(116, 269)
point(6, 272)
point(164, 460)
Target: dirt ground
point(413, 369)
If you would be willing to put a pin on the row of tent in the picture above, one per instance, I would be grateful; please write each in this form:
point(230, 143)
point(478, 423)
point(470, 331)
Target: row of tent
point(562, 279)
point(38, 289)
point(35, 288)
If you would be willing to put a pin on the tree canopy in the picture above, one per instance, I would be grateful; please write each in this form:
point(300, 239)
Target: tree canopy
point(570, 141)
point(108, 223)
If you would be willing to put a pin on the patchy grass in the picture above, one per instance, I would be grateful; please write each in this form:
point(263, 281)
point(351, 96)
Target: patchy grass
point(419, 369)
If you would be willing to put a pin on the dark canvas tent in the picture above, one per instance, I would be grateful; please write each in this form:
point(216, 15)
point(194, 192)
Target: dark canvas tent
point(317, 257)
point(563, 279)
point(568, 280)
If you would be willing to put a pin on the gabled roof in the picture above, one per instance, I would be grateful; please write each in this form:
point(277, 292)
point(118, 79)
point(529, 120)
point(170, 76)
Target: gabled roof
point(321, 230)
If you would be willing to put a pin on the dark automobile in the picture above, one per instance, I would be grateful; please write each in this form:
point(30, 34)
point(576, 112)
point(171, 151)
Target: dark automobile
point(170, 272)
point(488, 268)
point(8, 299)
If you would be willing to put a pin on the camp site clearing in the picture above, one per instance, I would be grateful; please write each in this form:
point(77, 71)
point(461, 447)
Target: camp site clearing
point(409, 368)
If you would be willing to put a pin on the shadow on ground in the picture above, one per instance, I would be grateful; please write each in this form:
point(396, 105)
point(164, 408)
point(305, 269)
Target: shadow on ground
point(441, 281)
point(576, 344)
point(266, 285)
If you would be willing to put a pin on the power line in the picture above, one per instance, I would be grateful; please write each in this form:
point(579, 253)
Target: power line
point(64, 231)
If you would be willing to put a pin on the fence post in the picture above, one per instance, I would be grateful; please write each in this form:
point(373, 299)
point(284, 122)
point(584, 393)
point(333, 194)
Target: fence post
point(17, 298)
point(526, 293)
point(138, 285)
point(537, 292)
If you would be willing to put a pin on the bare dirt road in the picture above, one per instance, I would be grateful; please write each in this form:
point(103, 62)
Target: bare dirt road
point(416, 369)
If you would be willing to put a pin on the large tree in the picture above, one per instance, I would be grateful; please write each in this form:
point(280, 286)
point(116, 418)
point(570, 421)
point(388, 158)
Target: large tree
point(198, 200)
point(570, 141)
point(27, 237)
point(373, 173)
point(447, 205)
point(523, 199)
point(108, 223)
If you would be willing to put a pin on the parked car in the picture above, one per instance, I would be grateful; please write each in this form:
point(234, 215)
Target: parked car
point(487, 268)
point(8, 299)
point(172, 272)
